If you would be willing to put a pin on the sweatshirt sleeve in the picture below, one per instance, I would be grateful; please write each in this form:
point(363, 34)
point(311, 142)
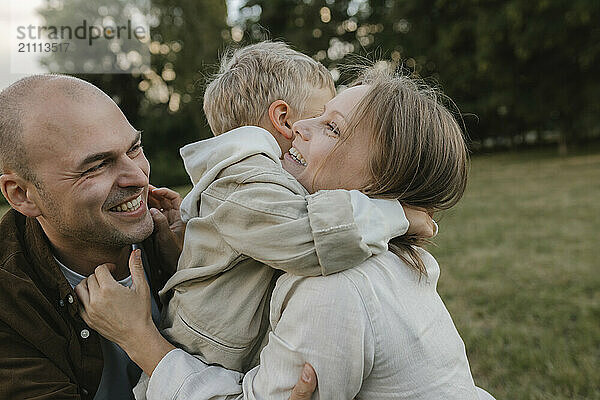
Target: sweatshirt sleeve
point(305, 235)
point(376, 222)
point(179, 375)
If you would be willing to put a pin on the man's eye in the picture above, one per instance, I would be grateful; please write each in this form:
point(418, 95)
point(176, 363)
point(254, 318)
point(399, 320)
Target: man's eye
point(135, 149)
point(96, 168)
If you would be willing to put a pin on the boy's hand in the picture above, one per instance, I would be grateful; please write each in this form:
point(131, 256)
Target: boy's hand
point(420, 221)
point(169, 229)
point(168, 202)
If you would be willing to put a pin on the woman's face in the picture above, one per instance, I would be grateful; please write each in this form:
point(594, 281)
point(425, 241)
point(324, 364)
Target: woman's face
point(310, 159)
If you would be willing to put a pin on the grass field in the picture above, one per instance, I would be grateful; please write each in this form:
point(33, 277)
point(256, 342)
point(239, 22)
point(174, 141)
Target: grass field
point(521, 276)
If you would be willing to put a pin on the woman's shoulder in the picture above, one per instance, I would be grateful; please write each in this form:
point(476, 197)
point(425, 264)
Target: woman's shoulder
point(337, 284)
point(385, 267)
point(332, 293)
point(392, 269)
point(356, 287)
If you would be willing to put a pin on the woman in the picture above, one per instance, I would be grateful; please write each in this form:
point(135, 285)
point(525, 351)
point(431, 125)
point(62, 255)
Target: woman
point(377, 331)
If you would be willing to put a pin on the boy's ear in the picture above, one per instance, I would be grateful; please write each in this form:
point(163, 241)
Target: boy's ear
point(279, 114)
point(17, 192)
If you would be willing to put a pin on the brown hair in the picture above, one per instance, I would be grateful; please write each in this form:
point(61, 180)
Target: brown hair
point(417, 150)
point(252, 77)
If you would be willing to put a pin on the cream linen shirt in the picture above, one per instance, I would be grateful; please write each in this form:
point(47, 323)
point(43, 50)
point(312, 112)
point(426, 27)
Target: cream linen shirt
point(376, 331)
point(246, 216)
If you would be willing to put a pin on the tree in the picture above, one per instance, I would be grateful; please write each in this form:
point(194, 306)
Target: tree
point(519, 66)
point(164, 99)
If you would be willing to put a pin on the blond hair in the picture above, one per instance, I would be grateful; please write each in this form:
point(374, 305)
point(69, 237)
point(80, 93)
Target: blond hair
point(417, 152)
point(252, 77)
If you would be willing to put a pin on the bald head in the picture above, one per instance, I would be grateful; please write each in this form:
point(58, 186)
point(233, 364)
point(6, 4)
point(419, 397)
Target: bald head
point(28, 103)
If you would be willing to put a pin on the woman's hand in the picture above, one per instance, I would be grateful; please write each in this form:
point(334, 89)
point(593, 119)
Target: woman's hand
point(123, 314)
point(169, 229)
point(420, 221)
point(306, 385)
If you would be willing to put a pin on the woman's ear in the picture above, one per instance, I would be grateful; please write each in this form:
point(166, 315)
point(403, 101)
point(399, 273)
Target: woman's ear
point(17, 192)
point(279, 114)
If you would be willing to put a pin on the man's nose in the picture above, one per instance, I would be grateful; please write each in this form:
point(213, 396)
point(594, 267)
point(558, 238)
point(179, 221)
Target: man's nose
point(300, 129)
point(131, 174)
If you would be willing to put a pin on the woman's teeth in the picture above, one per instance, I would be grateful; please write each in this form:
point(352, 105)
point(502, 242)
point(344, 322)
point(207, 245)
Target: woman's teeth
point(297, 156)
point(128, 206)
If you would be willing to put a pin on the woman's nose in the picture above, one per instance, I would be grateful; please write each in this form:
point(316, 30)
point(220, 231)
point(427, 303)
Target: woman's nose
point(300, 129)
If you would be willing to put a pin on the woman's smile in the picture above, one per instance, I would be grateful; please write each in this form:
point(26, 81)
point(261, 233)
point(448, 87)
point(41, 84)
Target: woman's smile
point(296, 156)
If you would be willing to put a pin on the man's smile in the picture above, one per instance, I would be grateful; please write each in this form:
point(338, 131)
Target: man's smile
point(129, 206)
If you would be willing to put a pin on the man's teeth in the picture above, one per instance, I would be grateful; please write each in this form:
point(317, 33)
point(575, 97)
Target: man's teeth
point(297, 156)
point(128, 206)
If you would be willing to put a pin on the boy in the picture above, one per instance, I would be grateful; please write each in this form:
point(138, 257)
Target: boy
point(246, 216)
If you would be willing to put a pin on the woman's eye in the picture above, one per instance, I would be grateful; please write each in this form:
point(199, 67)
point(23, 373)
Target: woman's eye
point(333, 128)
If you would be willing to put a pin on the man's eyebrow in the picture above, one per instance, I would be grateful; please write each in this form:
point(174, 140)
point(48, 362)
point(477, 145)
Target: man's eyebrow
point(92, 158)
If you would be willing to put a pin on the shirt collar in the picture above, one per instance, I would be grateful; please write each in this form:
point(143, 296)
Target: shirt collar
point(75, 278)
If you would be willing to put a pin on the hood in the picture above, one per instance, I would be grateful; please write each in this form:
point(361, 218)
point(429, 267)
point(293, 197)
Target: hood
point(204, 160)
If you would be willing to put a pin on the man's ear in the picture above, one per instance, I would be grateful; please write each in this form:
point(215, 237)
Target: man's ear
point(279, 114)
point(17, 192)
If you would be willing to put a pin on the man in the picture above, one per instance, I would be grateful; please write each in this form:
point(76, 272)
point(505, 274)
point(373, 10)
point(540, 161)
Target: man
point(77, 179)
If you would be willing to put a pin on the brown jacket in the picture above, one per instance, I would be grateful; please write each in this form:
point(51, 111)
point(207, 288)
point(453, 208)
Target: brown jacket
point(46, 349)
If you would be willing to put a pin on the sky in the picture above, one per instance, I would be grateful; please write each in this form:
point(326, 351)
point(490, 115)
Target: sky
point(22, 12)
point(19, 12)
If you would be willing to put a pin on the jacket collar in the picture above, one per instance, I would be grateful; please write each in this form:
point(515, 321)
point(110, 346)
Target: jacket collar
point(204, 160)
point(50, 278)
point(44, 269)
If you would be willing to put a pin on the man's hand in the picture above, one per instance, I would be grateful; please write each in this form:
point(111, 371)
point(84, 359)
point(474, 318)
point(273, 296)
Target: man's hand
point(306, 384)
point(169, 229)
point(123, 314)
point(420, 221)
point(116, 312)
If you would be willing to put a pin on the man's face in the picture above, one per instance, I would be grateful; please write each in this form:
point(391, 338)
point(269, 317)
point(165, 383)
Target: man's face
point(92, 173)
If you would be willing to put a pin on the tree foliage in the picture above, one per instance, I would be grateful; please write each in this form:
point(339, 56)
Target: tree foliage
point(519, 71)
point(165, 100)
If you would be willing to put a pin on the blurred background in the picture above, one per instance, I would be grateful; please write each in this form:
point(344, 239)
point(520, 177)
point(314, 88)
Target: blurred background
point(519, 253)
